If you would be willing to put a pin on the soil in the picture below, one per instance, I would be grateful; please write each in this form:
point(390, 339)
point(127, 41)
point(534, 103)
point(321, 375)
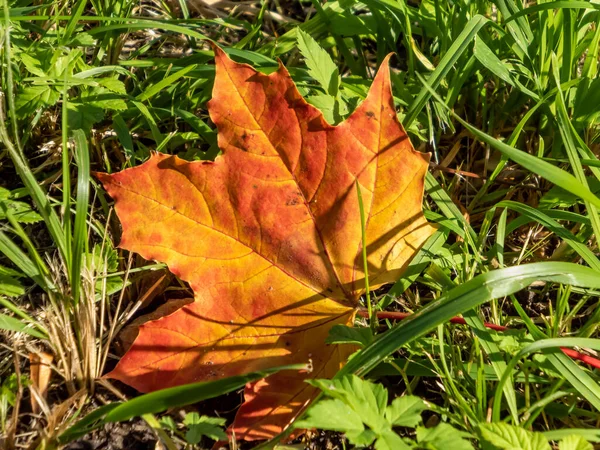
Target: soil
point(135, 435)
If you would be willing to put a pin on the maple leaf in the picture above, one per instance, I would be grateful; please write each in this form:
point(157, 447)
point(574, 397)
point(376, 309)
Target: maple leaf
point(269, 238)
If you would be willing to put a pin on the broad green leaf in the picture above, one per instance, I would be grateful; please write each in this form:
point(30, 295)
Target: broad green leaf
point(332, 414)
point(388, 440)
point(32, 64)
point(509, 437)
point(320, 65)
point(83, 115)
point(361, 439)
point(443, 437)
point(574, 442)
point(168, 422)
point(114, 85)
point(333, 110)
point(366, 398)
point(82, 40)
point(199, 426)
point(33, 97)
point(405, 411)
point(342, 334)
point(106, 97)
point(20, 211)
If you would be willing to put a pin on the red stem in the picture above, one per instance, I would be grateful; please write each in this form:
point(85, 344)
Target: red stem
point(589, 360)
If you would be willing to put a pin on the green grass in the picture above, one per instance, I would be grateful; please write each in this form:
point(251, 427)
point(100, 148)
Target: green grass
point(505, 97)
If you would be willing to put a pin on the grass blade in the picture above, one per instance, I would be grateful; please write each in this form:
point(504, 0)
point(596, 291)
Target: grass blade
point(479, 290)
point(20, 259)
point(80, 230)
point(580, 380)
point(543, 219)
point(454, 52)
point(564, 4)
point(11, 324)
point(564, 126)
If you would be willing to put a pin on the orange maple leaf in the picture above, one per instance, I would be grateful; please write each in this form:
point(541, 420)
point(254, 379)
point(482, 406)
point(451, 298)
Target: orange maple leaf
point(269, 238)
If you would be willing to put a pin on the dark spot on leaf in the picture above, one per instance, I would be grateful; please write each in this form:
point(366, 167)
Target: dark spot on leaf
point(370, 114)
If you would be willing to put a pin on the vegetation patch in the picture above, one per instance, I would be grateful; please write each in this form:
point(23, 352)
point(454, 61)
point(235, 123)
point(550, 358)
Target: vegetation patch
point(299, 224)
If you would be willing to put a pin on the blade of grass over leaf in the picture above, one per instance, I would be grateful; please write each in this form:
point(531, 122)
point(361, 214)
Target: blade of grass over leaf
point(174, 397)
point(363, 230)
point(419, 262)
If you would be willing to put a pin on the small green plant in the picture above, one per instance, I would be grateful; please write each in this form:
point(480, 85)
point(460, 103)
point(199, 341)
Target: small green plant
point(8, 397)
point(359, 409)
point(197, 427)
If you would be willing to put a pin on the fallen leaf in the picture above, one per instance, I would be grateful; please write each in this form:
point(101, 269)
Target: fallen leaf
point(269, 238)
point(40, 372)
